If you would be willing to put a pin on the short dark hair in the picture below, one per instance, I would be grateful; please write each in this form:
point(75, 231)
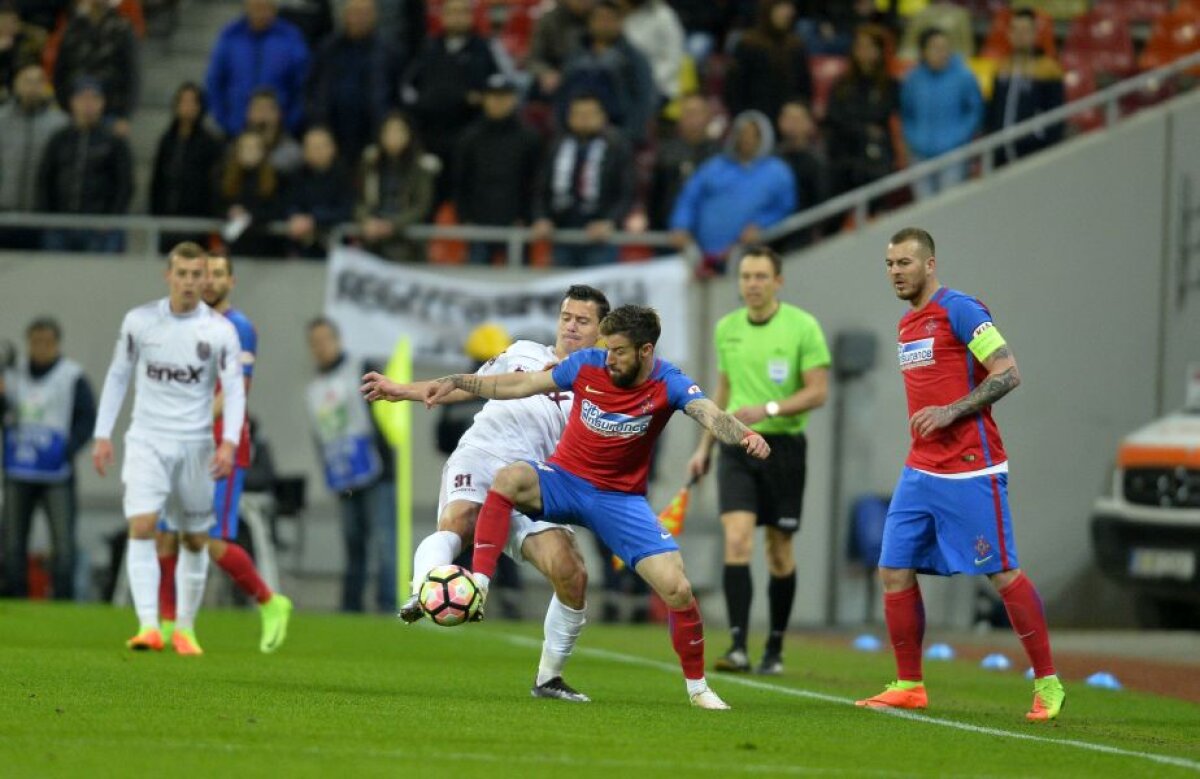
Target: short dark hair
point(922, 237)
point(187, 250)
point(928, 34)
point(637, 323)
point(762, 250)
point(1025, 13)
point(223, 256)
point(587, 294)
point(47, 323)
point(323, 321)
point(588, 96)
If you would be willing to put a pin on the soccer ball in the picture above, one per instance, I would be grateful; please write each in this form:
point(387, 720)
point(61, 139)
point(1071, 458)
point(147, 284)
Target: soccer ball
point(449, 595)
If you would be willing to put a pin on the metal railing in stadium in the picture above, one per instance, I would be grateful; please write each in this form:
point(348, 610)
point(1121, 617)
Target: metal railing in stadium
point(856, 202)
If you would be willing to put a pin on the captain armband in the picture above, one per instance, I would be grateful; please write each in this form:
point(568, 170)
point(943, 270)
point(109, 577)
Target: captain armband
point(985, 339)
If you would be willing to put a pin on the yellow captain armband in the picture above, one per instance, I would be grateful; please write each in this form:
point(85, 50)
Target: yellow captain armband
point(985, 340)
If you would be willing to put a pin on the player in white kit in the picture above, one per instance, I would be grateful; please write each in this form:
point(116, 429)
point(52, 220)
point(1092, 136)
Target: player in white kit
point(502, 433)
point(175, 348)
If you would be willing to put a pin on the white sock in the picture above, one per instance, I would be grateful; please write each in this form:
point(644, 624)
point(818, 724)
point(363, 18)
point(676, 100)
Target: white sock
point(562, 628)
point(191, 574)
point(438, 548)
point(141, 562)
point(696, 685)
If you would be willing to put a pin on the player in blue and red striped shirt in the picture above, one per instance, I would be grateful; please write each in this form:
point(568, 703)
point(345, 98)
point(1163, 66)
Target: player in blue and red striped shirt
point(950, 512)
point(596, 477)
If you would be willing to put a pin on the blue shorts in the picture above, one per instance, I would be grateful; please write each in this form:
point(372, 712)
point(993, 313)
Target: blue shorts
point(623, 521)
point(226, 496)
point(948, 526)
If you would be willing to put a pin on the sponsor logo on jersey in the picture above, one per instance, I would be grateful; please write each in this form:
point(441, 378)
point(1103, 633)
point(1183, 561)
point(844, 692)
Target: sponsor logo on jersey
point(185, 374)
point(611, 424)
point(915, 354)
point(203, 350)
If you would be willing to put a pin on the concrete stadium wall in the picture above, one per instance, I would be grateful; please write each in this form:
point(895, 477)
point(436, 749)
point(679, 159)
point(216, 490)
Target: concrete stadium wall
point(1075, 252)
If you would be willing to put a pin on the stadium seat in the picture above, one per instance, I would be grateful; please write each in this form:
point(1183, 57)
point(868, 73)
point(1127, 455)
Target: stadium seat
point(1080, 81)
point(517, 30)
point(951, 19)
point(985, 73)
point(1103, 38)
point(1172, 36)
point(1058, 9)
point(826, 69)
point(1134, 10)
point(997, 46)
point(906, 7)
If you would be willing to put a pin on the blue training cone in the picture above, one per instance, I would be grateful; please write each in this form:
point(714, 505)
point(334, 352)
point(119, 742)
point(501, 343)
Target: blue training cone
point(867, 643)
point(939, 652)
point(995, 662)
point(1104, 680)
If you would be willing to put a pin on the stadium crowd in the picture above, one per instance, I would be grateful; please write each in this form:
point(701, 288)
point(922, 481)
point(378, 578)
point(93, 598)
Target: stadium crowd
point(711, 119)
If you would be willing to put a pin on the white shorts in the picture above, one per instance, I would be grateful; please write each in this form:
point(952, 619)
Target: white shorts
point(157, 471)
point(467, 475)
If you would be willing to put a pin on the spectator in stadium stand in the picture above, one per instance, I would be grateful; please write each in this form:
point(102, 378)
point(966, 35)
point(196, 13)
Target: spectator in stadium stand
point(265, 117)
point(100, 44)
point(829, 26)
point(496, 167)
point(1028, 83)
point(557, 35)
point(397, 179)
point(586, 184)
point(770, 63)
point(85, 169)
point(402, 24)
point(735, 195)
point(609, 67)
point(257, 50)
point(20, 45)
point(354, 80)
point(249, 195)
point(858, 117)
point(940, 109)
point(313, 18)
point(678, 157)
point(42, 13)
point(705, 23)
point(27, 123)
point(800, 147)
point(48, 411)
point(320, 196)
point(444, 86)
point(185, 164)
point(654, 29)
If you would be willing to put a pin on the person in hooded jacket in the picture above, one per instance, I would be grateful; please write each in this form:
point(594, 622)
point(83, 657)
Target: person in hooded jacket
point(185, 164)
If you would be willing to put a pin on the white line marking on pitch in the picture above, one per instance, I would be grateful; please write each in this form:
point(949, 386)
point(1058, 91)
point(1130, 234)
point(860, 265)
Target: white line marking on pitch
point(620, 657)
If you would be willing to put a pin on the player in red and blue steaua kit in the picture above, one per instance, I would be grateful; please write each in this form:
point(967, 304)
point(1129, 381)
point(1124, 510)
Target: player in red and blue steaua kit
point(596, 477)
point(949, 513)
point(223, 548)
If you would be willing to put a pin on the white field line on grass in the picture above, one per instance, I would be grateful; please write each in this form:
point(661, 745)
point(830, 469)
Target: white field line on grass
point(620, 657)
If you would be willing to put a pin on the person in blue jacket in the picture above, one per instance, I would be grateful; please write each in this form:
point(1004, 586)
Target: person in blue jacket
point(735, 195)
point(940, 110)
point(256, 50)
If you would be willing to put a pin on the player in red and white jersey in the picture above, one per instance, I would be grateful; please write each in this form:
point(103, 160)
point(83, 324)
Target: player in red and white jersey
point(177, 349)
point(949, 513)
point(596, 477)
point(500, 434)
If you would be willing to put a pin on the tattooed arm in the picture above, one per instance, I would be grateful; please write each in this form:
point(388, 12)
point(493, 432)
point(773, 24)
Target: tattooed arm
point(499, 386)
point(726, 428)
point(1003, 377)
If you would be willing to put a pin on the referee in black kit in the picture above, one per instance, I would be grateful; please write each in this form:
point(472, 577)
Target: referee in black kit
point(773, 368)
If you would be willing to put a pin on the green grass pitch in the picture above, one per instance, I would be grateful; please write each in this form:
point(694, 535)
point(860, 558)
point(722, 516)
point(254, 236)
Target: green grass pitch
point(351, 697)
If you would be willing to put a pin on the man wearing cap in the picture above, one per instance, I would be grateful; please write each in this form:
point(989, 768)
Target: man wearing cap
point(496, 166)
point(85, 169)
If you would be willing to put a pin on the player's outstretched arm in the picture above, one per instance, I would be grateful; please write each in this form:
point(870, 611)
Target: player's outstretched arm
point(726, 428)
point(376, 386)
point(500, 386)
point(1003, 377)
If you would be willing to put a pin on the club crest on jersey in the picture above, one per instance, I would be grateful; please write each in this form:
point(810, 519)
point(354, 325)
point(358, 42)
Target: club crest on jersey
point(930, 326)
point(915, 354)
point(203, 350)
point(648, 405)
point(611, 424)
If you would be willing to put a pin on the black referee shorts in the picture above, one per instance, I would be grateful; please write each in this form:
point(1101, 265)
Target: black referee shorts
point(772, 489)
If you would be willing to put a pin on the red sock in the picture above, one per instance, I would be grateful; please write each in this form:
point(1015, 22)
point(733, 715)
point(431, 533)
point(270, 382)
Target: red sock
point(905, 616)
point(1024, 608)
point(687, 636)
point(166, 587)
point(235, 562)
point(491, 533)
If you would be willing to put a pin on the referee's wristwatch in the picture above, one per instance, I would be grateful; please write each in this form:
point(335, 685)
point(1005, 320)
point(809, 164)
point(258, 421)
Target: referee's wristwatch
point(772, 408)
